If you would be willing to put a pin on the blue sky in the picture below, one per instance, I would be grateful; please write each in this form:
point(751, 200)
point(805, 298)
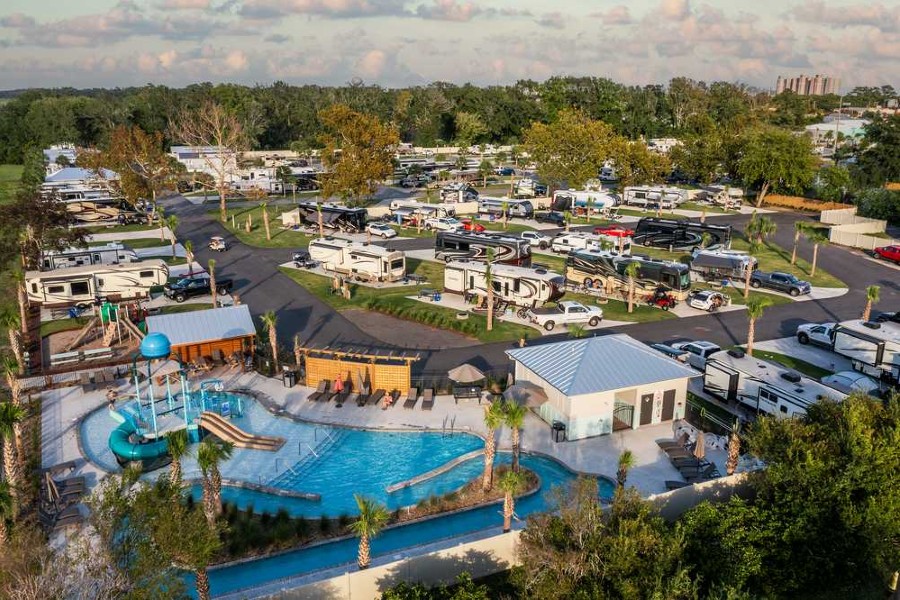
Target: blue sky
point(88, 43)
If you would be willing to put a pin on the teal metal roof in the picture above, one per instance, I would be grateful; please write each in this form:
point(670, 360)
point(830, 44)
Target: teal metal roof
point(599, 364)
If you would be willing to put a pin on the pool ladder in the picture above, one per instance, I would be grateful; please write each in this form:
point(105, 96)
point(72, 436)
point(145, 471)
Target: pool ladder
point(444, 432)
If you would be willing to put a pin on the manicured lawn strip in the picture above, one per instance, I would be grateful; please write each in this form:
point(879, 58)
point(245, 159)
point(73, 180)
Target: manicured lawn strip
point(179, 260)
point(616, 310)
point(148, 242)
point(409, 232)
point(513, 229)
point(58, 325)
point(792, 363)
point(281, 238)
point(10, 175)
point(776, 258)
point(115, 227)
point(709, 208)
point(172, 309)
point(737, 295)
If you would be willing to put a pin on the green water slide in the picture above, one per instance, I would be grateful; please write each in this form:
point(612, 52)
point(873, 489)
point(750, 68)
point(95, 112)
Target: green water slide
point(126, 450)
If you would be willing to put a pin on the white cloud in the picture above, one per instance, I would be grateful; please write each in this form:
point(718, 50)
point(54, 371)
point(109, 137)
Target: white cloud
point(676, 10)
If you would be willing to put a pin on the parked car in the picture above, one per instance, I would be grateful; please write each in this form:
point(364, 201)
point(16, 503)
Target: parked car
point(536, 238)
point(782, 282)
point(566, 313)
point(818, 334)
point(557, 218)
point(887, 253)
point(852, 381)
point(443, 224)
point(470, 225)
point(699, 351)
point(707, 300)
point(217, 244)
point(884, 317)
point(613, 231)
point(504, 171)
point(198, 285)
point(381, 230)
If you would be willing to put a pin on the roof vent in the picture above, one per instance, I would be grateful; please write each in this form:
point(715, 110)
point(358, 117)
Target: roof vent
point(791, 376)
point(871, 324)
point(736, 353)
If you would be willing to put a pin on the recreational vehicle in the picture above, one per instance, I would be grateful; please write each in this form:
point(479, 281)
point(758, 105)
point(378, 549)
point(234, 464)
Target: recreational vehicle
point(83, 285)
point(490, 205)
point(680, 234)
point(521, 286)
point(606, 270)
point(716, 265)
point(458, 192)
point(529, 188)
point(873, 348)
point(566, 242)
point(580, 202)
point(334, 216)
point(110, 254)
point(430, 210)
point(767, 387)
point(457, 245)
point(357, 259)
point(654, 197)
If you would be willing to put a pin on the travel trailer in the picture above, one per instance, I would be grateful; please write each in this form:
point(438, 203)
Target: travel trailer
point(872, 347)
point(654, 197)
point(458, 192)
point(529, 188)
point(334, 216)
point(424, 208)
point(521, 286)
point(110, 254)
point(579, 201)
point(606, 270)
point(767, 387)
point(716, 265)
point(490, 205)
point(680, 234)
point(566, 242)
point(458, 245)
point(357, 259)
point(82, 286)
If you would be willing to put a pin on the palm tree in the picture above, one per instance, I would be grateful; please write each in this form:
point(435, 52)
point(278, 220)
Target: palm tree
point(189, 256)
point(511, 483)
point(10, 417)
point(577, 330)
point(873, 293)
point(10, 368)
point(756, 306)
point(734, 452)
point(799, 228)
point(209, 454)
point(567, 217)
point(212, 281)
point(817, 239)
point(514, 418)
point(626, 462)
point(321, 222)
point(172, 224)
point(760, 228)
point(489, 283)
point(270, 321)
point(161, 220)
point(631, 272)
point(179, 446)
point(748, 272)
point(18, 276)
point(493, 419)
point(6, 512)
point(9, 317)
point(372, 519)
point(265, 212)
point(504, 206)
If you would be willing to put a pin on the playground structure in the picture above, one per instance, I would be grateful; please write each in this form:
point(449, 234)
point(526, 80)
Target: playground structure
point(156, 408)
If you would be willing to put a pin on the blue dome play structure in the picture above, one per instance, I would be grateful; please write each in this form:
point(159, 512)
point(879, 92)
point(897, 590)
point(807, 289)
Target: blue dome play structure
point(156, 345)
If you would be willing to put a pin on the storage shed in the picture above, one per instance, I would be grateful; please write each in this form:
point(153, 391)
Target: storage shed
point(199, 333)
point(598, 385)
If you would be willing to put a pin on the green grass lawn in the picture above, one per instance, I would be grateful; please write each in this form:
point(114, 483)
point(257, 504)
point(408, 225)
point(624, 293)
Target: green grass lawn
point(710, 209)
point(281, 238)
point(172, 309)
point(178, 260)
point(792, 363)
point(122, 228)
point(776, 258)
point(49, 327)
point(9, 181)
point(410, 232)
point(148, 242)
point(616, 310)
point(393, 301)
point(737, 295)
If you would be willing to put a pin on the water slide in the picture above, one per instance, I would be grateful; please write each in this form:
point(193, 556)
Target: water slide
point(127, 451)
point(224, 430)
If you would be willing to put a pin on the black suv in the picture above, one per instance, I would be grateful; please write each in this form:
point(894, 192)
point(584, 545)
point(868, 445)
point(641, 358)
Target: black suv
point(557, 218)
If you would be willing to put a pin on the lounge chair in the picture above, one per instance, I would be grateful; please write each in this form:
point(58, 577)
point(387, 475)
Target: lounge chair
point(320, 391)
point(676, 485)
point(68, 517)
point(376, 397)
point(62, 468)
point(341, 397)
point(427, 399)
point(86, 384)
point(678, 452)
point(412, 396)
point(390, 399)
point(704, 474)
point(204, 363)
point(234, 360)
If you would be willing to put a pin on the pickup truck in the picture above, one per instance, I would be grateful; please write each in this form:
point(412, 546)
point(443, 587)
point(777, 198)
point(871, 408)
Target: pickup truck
point(536, 238)
point(443, 224)
point(698, 351)
point(557, 218)
point(782, 282)
point(566, 313)
point(198, 285)
point(818, 334)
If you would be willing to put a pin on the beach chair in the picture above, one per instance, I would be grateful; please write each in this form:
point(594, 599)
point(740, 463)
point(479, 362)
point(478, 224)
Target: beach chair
point(390, 399)
point(234, 360)
point(376, 397)
point(412, 396)
point(704, 474)
point(320, 391)
point(427, 399)
point(68, 517)
point(677, 452)
point(341, 397)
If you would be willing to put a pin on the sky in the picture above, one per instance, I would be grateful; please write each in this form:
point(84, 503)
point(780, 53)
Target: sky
point(102, 43)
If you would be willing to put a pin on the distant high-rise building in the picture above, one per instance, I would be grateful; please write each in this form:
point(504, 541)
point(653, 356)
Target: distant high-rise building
point(818, 85)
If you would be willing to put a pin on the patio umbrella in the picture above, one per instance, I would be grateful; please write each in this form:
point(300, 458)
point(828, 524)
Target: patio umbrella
point(526, 394)
point(700, 446)
point(465, 373)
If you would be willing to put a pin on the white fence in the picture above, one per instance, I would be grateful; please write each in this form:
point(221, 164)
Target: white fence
point(849, 229)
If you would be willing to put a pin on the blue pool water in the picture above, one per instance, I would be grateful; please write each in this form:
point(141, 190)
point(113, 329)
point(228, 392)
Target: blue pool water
point(258, 572)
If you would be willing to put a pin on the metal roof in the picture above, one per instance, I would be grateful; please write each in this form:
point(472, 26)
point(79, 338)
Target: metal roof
point(204, 325)
point(599, 364)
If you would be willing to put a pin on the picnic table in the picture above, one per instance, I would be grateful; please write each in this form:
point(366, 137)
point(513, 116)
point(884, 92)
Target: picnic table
point(467, 392)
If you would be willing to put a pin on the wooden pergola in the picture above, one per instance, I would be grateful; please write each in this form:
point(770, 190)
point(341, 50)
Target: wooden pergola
point(387, 370)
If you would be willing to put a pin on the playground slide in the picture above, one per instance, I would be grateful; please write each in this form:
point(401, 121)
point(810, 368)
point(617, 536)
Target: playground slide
point(224, 430)
point(127, 451)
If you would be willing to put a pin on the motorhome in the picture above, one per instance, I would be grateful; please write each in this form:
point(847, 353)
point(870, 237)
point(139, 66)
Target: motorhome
point(606, 270)
point(360, 260)
point(566, 242)
point(334, 216)
point(490, 205)
point(521, 286)
point(654, 197)
point(432, 210)
point(112, 253)
point(81, 286)
point(458, 245)
point(677, 234)
point(718, 265)
point(581, 201)
point(458, 192)
point(764, 386)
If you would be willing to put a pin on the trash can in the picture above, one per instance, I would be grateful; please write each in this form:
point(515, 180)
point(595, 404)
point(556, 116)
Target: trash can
point(436, 297)
point(290, 378)
point(558, 431)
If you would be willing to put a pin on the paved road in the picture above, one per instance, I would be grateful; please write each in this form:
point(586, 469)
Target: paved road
point(264, 288)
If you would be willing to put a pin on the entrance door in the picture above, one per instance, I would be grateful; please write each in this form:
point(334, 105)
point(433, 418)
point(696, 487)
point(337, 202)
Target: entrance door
point(646, 409)
point(668, 407)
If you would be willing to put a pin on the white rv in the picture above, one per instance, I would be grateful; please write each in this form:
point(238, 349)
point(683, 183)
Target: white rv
point(873, 348)
point(655, 197)
point(492, 205)
point(566, 242)
point(429, 210)
point(580, 201)
point(522, 286)
point(767, 387)
point(82, 285)
point(357, 259)
point(111, 254)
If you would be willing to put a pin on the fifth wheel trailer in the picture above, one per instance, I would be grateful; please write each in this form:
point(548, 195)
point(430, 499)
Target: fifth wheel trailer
point(81, 286)
point(357, 259)
point(110, 254)
point(522, 286)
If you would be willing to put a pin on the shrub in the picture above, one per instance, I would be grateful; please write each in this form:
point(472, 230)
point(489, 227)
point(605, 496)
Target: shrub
point(343, 521)
point(800, 203)
point(325, 525)
point(301, 527)
point(265, 518)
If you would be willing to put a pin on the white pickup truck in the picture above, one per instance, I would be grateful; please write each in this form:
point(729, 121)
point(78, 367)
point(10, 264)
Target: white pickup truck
point(443, 224)
point(566, 313)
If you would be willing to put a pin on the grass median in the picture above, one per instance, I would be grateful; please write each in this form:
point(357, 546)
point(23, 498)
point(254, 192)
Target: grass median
point(281, 238)
point(10, 175)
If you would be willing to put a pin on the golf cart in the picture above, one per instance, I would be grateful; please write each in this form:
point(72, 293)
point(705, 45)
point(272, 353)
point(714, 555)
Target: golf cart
point(217, 244)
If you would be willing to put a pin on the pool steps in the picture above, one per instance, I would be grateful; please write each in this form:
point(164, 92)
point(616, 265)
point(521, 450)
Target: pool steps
point(434, 472)
point(296, 472)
